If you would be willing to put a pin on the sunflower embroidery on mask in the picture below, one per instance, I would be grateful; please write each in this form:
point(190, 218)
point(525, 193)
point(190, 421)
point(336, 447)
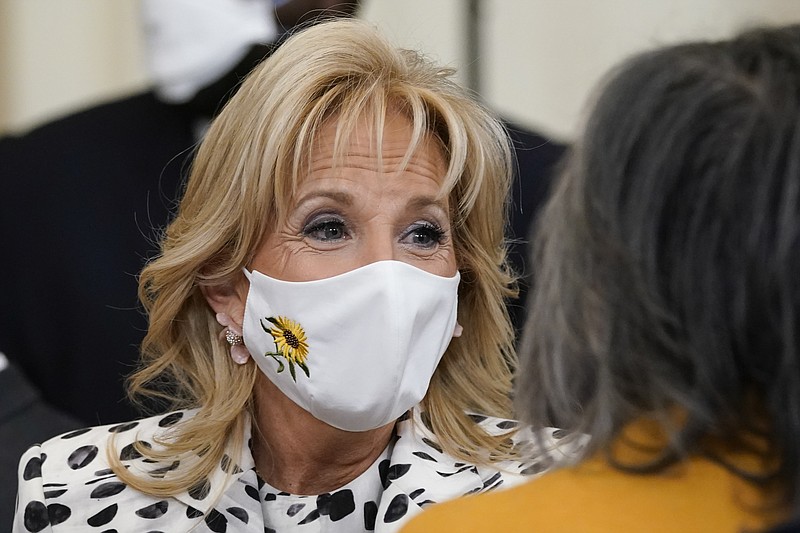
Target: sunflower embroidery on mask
point(290, 343)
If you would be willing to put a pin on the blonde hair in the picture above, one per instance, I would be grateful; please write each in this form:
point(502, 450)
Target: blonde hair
point(242, 180)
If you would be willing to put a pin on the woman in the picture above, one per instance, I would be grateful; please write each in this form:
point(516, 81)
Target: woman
point(340, 233)
point(667, 308)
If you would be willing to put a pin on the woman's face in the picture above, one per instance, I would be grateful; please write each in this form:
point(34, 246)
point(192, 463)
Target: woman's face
point(358, 213)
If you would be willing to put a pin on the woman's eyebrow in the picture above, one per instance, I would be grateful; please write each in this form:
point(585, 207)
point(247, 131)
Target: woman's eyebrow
point(341, 197)
point(423, 201)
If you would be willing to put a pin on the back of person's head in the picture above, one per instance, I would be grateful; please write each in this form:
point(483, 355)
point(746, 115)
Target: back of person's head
point(668, 258)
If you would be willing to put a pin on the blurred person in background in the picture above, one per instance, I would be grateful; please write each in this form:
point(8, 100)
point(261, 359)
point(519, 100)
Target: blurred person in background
point(665, 319)
point(86, 197)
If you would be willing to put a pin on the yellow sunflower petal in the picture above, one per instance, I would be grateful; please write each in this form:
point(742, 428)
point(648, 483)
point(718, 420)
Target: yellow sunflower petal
point(290, 338)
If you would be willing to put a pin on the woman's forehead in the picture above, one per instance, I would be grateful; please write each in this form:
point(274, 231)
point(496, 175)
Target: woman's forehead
point(365, 129)
point(385, 141)
point(386, 144)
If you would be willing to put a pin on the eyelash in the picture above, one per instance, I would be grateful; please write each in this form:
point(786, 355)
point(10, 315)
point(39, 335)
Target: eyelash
point(435, 231)
point(320, 224)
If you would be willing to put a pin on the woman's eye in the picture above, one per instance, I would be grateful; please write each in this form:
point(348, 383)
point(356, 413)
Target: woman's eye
point(425, 235)
point(326, 230)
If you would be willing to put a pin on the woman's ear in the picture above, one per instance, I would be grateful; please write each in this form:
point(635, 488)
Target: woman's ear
point(228, 298)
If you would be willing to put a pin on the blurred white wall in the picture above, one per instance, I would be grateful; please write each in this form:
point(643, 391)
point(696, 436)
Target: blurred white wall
point(57, 56)
point(543, 57)
point(540, 58)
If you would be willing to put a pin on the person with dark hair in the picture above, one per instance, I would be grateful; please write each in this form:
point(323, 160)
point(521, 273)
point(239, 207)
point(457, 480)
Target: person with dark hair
point(665, 317)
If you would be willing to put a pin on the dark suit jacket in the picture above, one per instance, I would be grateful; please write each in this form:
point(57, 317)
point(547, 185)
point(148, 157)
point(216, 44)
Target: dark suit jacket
point(82, 202)
point(83, 199)
point(537, 164)
point(24, 420)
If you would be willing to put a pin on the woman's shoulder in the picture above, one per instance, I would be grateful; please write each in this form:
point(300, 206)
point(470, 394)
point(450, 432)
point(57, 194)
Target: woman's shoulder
point(430, 475)
point(535, 453)
point(85, 449)
point(70, 474)
point(68, 482)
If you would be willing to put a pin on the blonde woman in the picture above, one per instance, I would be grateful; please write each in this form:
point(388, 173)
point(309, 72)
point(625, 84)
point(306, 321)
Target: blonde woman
point(326, 315)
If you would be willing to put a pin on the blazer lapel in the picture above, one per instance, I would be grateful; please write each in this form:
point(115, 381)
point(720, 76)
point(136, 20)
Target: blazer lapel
point(228, 499)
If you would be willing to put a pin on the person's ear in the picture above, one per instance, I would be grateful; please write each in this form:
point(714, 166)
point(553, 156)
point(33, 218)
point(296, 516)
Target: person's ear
point(228, 298)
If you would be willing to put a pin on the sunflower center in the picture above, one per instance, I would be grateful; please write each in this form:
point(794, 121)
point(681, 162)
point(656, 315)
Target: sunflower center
point(291, 340)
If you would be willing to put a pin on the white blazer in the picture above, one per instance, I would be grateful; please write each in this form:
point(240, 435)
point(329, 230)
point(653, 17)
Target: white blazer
point(66, 485)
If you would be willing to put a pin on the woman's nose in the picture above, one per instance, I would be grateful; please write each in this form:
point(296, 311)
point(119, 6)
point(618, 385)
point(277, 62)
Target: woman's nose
point(378, 247)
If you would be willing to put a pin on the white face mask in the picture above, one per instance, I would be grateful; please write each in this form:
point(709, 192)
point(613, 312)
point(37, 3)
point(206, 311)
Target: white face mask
point(355, 350)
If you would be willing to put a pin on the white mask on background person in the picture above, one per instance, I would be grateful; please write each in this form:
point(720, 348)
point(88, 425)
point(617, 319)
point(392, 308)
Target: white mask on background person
point(355, 350)
point(190, 44)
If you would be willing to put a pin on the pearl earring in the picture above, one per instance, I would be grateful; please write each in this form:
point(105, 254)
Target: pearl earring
point(233, 335)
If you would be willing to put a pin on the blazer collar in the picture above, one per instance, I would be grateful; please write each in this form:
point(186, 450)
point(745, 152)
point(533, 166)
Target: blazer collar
point(419, 474)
